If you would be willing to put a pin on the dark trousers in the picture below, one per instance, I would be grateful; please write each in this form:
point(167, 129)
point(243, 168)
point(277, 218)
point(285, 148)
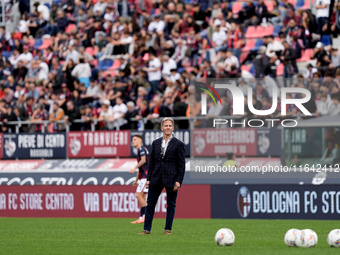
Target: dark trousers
point(321, 22)
point(154, 87)
point(153, 194)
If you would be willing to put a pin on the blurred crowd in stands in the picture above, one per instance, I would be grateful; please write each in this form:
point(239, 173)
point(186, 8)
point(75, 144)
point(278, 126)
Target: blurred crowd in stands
point(110, 60)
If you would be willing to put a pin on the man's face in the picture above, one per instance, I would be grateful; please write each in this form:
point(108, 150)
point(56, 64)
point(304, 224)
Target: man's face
point(70, 106)
point(29, 102)
point(167, 127)
point(119, 101)
point(136, 141)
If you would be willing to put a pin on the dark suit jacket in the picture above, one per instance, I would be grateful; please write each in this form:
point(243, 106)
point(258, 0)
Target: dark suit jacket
point(172, 168)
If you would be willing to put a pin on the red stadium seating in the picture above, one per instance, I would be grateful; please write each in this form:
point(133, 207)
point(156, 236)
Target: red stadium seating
point(293, 2)
point(269, 30)
point(243, 56)
point(270, 5)
point(115, 65)
point(70, 28)
point(279, 70)
point(306, 55)
point(259, 31)
point(251, 32)
point(90, 51)
point(250, 44)
point(237, 7)
point(245, 68)
point(46, 44)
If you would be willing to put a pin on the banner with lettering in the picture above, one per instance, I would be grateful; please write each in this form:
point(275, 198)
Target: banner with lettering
point(150, 135)
point(276, 201)
point(218, 142)
point(99, 144)
point(96, 201)
point(34, 146)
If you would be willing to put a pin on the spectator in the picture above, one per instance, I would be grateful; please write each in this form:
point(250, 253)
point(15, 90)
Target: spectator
point(57, 114)
point(231, 61)
point(119, 111)
point(322, 13)
point(322, 57)
point(323, 104)
point(8, 116)
point(131, 113)
point(62, 21)
point(26, 57)
point(236, 39)
point(168, 64)
point(9, 94)
point(87, 116)
point(219, 37)
point(106, 116)
point(334, 108)
point(82, 72)
point(289, 59)
point(72, 114)
point(154, 72)
point(39, 115)
point(179, 53)
point(310, 70)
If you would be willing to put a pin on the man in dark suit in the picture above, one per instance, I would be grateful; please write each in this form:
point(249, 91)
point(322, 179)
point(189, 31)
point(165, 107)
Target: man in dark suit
point(166, 169)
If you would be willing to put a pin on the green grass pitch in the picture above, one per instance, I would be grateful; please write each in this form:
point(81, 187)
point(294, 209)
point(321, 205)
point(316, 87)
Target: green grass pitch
point(118, 236)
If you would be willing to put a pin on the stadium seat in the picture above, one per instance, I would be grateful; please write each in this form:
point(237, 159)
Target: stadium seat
point(293, 2)
point(38, 43)
point(258, 44)
point(306, 55)
point(251, 32)
point(116, 65)
point(106, 73)
point(269, 30)
point(237, 7)
point(326, 40)
point(57, 2)
point(189, 69)
point(260, 32)
point(277, 30)
point(306, 6)
point(270, 5)
point(48, 6)
point(31, 42)
point(90, 51)
point(245, 68)
point(250, 44)
point(6, 54)
point(300, 4)
point(252, 70)
point(46, 43)
point(70, 28)
point(105, 64)
point(243, 56)
point(94, 63)
point(279, 70)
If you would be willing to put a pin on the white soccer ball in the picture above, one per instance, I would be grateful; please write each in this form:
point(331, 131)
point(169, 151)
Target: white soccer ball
point(291, 236)
point(225, 237)
point(307, 238)
point(333, 238)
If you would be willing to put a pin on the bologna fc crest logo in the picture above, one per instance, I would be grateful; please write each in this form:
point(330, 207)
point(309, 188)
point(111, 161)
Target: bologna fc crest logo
point(75, 146)
point(243, 201)
point(10, 147)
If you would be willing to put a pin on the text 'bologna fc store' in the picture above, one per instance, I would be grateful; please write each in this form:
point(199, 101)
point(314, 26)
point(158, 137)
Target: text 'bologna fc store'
point(194, 201)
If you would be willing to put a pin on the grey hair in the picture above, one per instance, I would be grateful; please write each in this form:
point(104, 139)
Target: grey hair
point(166, 119)
point(130, 103)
